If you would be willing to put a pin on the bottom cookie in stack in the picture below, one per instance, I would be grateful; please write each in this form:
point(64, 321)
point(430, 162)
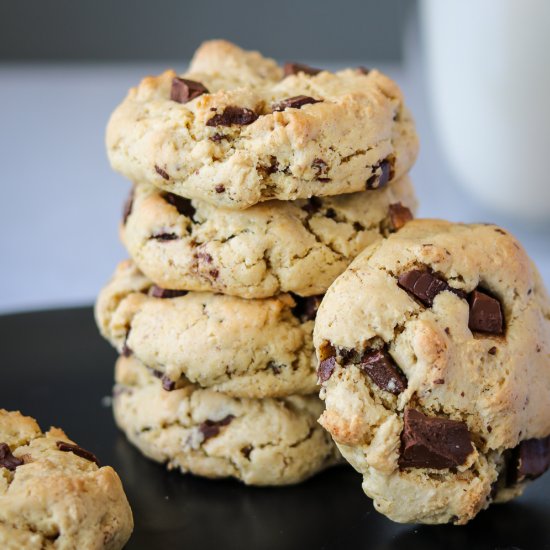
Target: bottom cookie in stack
point(208, 433)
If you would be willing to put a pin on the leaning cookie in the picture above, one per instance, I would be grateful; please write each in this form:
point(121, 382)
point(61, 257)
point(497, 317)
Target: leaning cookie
point(435, 366)
point(246, 348)
point(208, 433)
point(54, 494)
point(274, 247)
point(235, 130)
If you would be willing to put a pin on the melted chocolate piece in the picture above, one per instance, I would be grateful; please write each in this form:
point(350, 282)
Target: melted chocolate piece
point(485, 314)
point(211, 428)
point(295, 68)
point(425, 286)
point(432, 442)
point(382, 370)
point(399, 216)
point(162, 173)
point(182, 205)
point(296, 102)
point(7, 460)
point(184, 90)
point(306, 308)
point(326, 368)
point(532, 459)
point(233, 115)
point(158, 292)
point(382, 173)
point(78, 451)
point(127, 209)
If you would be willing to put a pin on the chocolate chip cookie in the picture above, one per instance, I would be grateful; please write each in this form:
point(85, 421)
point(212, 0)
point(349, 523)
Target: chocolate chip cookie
point(208, 433)
point(434, 351)
point(274, 247)
point(54, 494)
point(245, 348)
point(236, 130)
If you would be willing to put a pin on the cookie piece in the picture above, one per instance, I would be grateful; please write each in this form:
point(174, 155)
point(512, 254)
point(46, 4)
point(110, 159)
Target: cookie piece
point(245, 348)
point(54, 494)
point(208, 433)
point(435, 364)
point(274, 247)
point(257, 135)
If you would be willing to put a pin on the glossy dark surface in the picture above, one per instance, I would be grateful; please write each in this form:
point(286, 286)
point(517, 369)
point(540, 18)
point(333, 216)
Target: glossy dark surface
point(56, 368)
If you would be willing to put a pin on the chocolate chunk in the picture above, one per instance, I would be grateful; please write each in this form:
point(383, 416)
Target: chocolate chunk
point(184, 90)
point(432, 442)
point(363, 70)
point(330, 213)
point(358, 226)
point(399, 215)
point(211, 428)
point(485, 314)
point(217, 138)
point(269, 169)
point(167, 383)
point(7, 460)
point(382, 173)
point(425, 286)
point(313, 205)
point(233, 115)
point(79, 451)
point(382, 370)
point(306, 307)
point(245, 451)
point(127, 210)
point(182, 205)
point(158, 292)
point(320, 166)
point(274, 367)
point(220, 188)
point(326, 368)
point(162, 173)
point(296, 102)
point(165, 237)
point(214, 273)
point(532, 458)
point(295, 68)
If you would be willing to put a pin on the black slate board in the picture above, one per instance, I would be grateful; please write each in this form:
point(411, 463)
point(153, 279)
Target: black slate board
point(56, 368)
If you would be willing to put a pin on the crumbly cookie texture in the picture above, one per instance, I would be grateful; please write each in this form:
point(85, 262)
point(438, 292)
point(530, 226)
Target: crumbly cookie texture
point(208, 433)
point(234, 131)
point(274, 247)
point(434, 351)
point(247, 348)
point(53, 494)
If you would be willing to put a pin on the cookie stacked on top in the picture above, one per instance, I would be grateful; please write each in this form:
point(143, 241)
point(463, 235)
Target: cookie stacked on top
point(254, 188)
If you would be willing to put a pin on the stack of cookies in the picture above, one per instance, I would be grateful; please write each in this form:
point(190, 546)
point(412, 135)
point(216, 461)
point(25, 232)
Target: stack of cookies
point(255, 186)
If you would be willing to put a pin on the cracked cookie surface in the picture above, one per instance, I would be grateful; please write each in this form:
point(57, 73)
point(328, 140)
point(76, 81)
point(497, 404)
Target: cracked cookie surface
point(249, 348)
point(208, 433)
point(274, 247)
point(53, 494)
point(434, 351)
point(255, 134)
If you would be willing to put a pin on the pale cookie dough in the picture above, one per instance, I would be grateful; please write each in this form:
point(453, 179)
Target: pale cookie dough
point(435, 365)
point(246, 348)
point(257, 135)
point(274, 247)
point(54, 495)
point(208, 433)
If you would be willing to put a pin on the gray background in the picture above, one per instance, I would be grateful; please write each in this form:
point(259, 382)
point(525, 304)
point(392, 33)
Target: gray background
point(60, 203)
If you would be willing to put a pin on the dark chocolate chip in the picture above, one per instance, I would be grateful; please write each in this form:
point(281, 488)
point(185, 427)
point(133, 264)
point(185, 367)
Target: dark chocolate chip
point(167, 383)
point(211, 428)
point(425, 286)
point(7, 460)
point(330, 213)
point(184, 90)
point(326, 368)
point(439, 381)
point(245, 451)
point(363, 70)
point(269, 169)
point(296, 102)
point(358, 226)
point(233, 115)
point(382, 370)
point(79, 451)
point(127, 209)
point(162, 173)
point(382, 173)
point(320, 166)
point(532, 458)
point(313, 205)
point(276, 368)
point(181, 204)
point(399, 216)
point(432, 442)
point(295, 68)
point(306, 307)
point(216, 138)
point(220, 188)
point(214, 273)
point(158, 292)
point(492, 351)
point(485, 314)
point(165, 237)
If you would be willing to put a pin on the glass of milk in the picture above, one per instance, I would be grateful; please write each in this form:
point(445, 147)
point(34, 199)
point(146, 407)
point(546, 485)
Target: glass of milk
point(488, 65)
